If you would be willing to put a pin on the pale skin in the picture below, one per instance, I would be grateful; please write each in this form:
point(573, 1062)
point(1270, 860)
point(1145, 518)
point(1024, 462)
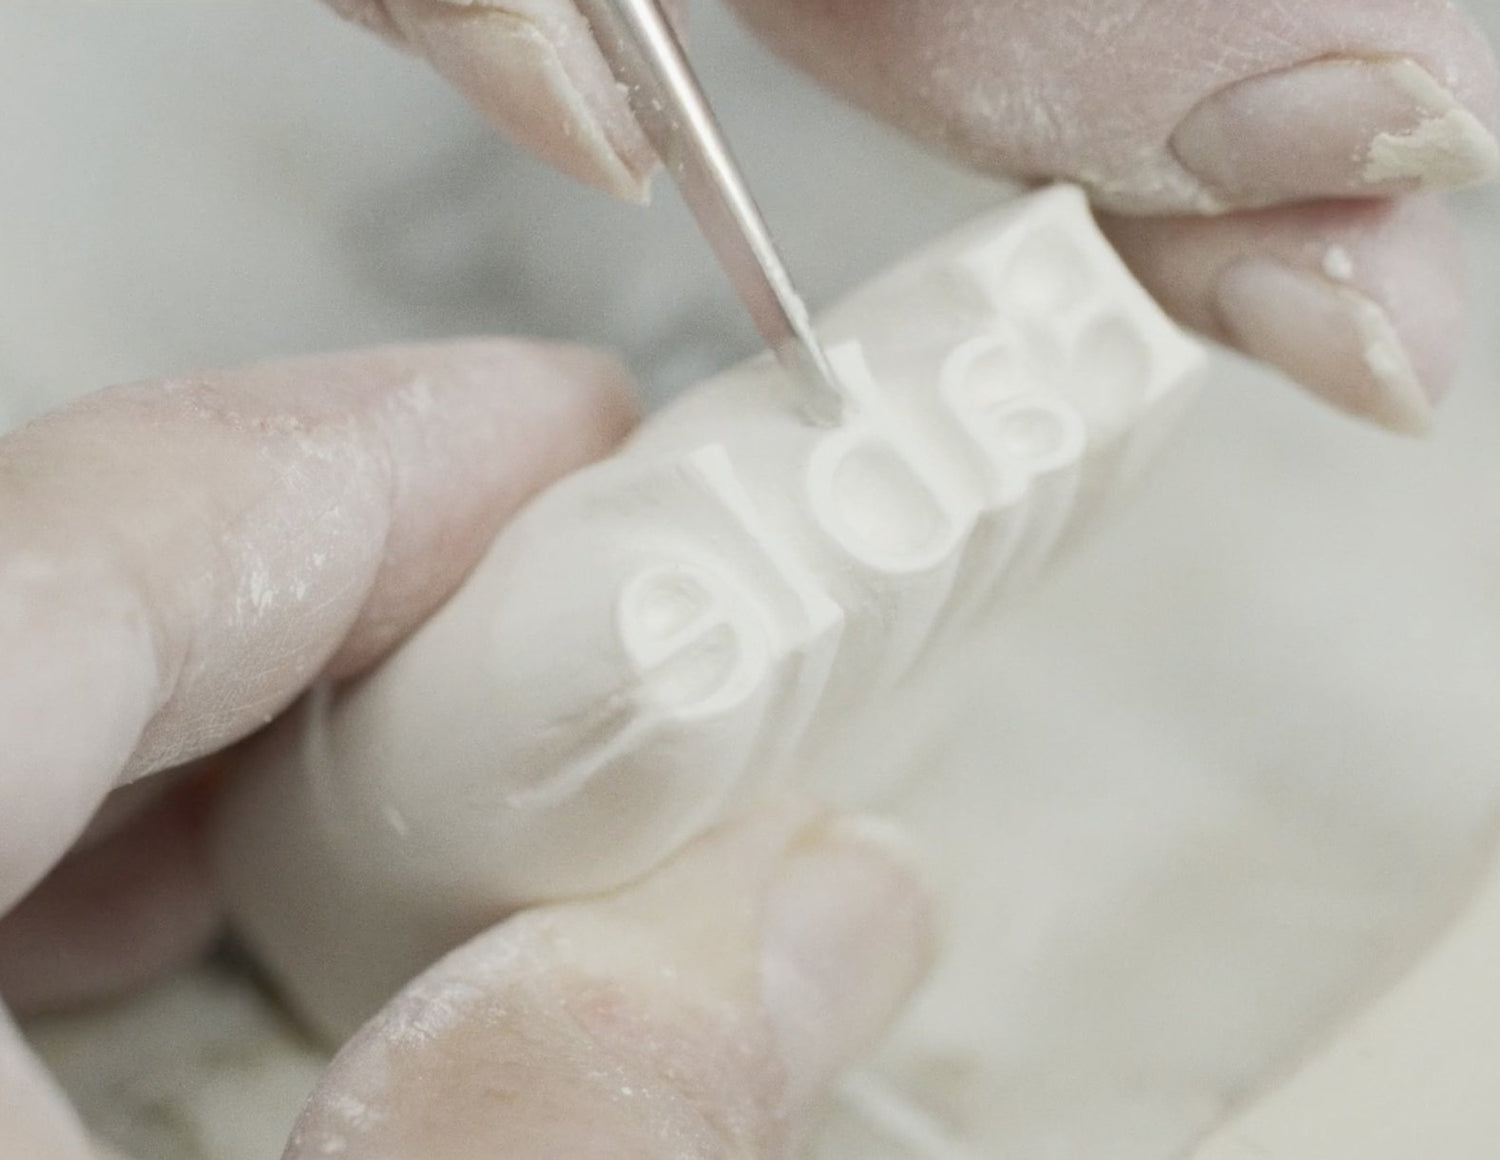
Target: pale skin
point(157, 603)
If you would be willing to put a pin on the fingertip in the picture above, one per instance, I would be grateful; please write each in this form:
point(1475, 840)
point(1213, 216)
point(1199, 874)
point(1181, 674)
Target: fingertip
point(534, 71)
point(1360, 302)
point(1415, 270)
point(598, 395)
point(369, 14)
point(1190, 107)
point(549, 406)
point(1337, 127)
point(1333, 339)
point(848, 936)
point(700, 1012)
point(481, 426)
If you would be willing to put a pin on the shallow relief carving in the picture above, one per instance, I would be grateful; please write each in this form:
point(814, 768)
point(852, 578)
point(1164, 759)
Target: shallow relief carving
point(737, 601)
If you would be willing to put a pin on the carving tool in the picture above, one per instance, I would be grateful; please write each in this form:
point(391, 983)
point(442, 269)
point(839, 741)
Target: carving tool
point(650, 63)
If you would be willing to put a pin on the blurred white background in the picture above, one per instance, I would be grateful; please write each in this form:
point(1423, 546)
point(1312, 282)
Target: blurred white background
point(1250, 743)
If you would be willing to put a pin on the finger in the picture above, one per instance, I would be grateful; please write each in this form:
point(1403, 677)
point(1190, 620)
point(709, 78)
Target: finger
point(699, 1013)
point(114, 914)
point(533, 69)
point(35, 1120)
point(369, 14)
point(1360, 301)
point(181, 558)
point(1185, 105)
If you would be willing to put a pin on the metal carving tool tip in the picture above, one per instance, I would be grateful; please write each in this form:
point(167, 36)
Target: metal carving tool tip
point(650, 63)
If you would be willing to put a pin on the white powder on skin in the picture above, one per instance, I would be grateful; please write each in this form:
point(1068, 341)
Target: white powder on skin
point(1385, 355)
point(1338, 264)
point(1448, 147)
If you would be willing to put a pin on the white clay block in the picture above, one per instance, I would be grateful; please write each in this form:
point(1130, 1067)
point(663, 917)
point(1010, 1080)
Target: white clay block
point(736, 602)
point(1413, 1075)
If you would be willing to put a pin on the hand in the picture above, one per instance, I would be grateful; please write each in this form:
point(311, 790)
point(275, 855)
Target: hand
point(182, 558)
point(700, 1013)
point(1267, 169)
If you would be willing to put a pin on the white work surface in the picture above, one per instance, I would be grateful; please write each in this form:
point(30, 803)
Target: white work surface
point(1249, 753)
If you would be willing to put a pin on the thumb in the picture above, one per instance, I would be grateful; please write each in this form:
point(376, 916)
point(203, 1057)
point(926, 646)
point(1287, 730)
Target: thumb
point(700, 1013)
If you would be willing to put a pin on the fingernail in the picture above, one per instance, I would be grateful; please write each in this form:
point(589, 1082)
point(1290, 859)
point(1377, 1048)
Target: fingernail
point(539, 77)
point(1333, 338)
point(1333, 128)
point(370, 14)
point(848, 935)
